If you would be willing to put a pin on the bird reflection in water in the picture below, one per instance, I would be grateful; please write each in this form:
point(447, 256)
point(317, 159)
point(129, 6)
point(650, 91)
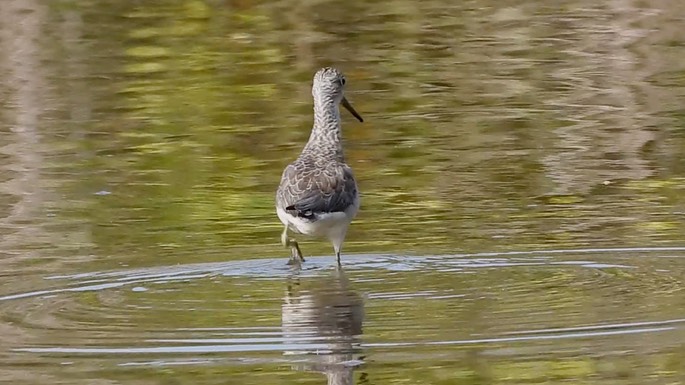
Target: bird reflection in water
point(324, 316)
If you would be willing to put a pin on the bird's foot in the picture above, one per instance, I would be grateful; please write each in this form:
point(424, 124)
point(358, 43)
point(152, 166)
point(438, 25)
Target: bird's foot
point(296, 257)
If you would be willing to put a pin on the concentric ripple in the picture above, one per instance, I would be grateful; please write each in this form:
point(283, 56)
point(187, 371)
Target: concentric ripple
point(276, 268)
point(383, 308)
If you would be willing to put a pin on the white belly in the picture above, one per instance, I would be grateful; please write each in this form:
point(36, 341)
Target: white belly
point(330, 225)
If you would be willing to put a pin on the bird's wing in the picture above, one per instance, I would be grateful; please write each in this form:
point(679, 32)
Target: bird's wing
point(307, 191)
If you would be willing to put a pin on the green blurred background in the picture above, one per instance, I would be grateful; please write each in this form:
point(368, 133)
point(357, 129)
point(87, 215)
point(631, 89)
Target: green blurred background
point(148, 134)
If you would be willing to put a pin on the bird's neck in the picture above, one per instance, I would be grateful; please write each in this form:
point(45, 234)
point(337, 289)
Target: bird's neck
point(326, 132)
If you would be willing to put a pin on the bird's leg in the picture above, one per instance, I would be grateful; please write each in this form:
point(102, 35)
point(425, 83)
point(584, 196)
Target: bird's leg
point(295, 252)
point(337, 239)
point(336, 248)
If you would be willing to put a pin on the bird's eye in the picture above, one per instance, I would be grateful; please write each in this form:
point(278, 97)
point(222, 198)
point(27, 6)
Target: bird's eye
point(342, 81)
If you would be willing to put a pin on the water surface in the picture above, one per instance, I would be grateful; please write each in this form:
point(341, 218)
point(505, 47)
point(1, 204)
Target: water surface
point(521, 169)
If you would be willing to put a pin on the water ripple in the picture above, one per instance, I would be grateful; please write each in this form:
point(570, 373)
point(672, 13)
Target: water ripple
point(282, 344)
point(275, 268)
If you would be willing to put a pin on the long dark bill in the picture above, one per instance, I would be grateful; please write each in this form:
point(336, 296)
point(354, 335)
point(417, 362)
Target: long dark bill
point(349, 107)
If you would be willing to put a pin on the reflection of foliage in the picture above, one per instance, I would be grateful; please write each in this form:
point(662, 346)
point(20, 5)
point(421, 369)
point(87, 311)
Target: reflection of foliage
point(474, 304)
point(476, 135)
point(488, 127)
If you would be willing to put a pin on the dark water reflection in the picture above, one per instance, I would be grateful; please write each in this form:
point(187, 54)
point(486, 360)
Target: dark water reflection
point(521, 169)
point(330, 312)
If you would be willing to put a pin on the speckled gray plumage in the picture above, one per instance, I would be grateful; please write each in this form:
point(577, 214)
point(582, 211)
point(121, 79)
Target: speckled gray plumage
point(311, 186)
point(320, 181)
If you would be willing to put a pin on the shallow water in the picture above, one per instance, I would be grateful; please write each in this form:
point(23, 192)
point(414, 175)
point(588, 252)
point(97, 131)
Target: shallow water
point(521, 169)
point(599, 315)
